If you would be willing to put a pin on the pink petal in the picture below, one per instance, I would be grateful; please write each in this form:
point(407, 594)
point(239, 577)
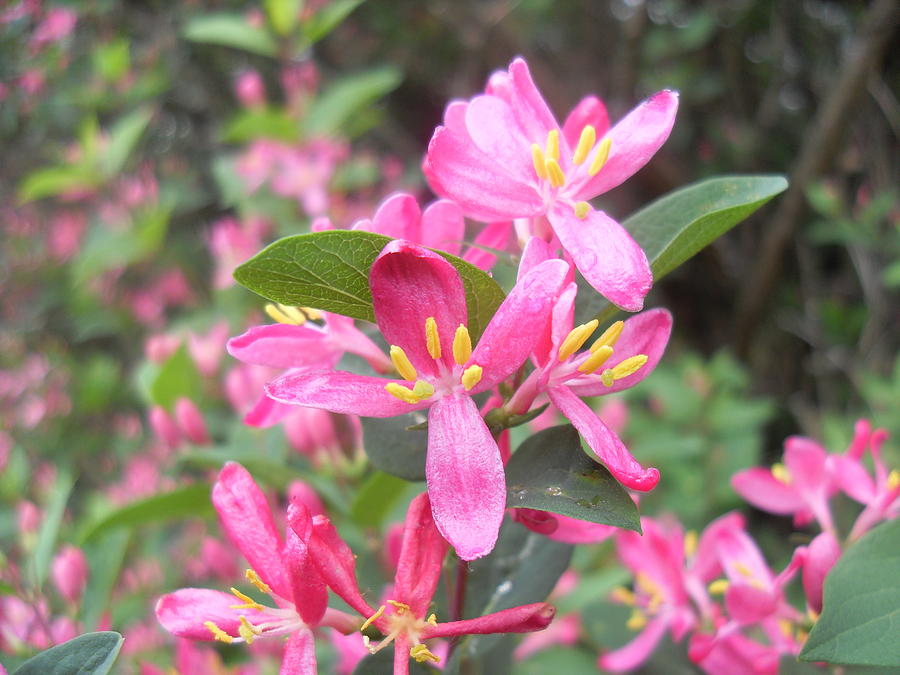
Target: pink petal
point(823, 552)
point(284, 346)
point(347, 337)
point(590, 110)
point(494, 236)
point(465, 477)
point(605, 254)
point(806, 461)
point(443, 226)
point(335, 562)
point(759, 487)
point(739, 555)
point(635, 139)
point(493, 128)
point(522, 619)
point(748, 604)
point(309, 593)
point(706, 565)
point(267, 412)
point(299, 654)
point(518, 323)
point(247, 519)
point(658, 553)
point(530, 111)
point(340, 392)
point(637, 651)
point(398, 218)
point(410, 284)
point(535, 252)
point(574, 531)
point(421, 555)
point(184, 612)
point(853, 479)
point(608, 448)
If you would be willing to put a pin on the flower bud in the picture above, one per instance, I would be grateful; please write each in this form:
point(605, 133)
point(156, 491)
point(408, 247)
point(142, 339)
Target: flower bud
point(69, 572)
point(190, 421)
point(164, 428)
point(250, 89)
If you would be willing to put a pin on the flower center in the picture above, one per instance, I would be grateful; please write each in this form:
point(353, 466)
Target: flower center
point(402, 620)
point(598, 353)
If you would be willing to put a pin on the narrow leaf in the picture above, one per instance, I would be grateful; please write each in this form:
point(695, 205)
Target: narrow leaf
point(123, 138)
point(345, 99)
point(53, 515)
point(328, 18)
point(105, 556)
point(53, 181)
point(88, 654)
point(230, 30)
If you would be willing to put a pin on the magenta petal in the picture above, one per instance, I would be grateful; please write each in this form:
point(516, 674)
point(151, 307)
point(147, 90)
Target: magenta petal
point(516, 86)
point(397, 217)
point(637, 651)
point(340, 392)
point(518, 324)
point(748, 604)
point(495, 236)
point(421, 554)
point(823, 552)
point(465, 477)
point(605, 254)
point(606, 445)
point(267, 412)
point(522, 619)
point(410, 284)
point(281, 345)
point(759, 487)
point(492, 127)
point(184, 612)
point(309, 593)
point(247, 520)
point(535, 251)
point(574, 531)
point(635, 139)
point(443, 226)
point(336, 563)
point(853, 478)
point(299, 654)
point(590, 110)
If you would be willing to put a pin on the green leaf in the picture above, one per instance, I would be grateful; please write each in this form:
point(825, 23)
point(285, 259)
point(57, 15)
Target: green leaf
point(53, 515)
point(568, 660)
point(123, 138)
point(105, 556)
point(861, 610)
point(54, 180)
point(177, 377)
point(88, 654)
point(328, 18)
point(373, 501)
point(190, 501)
point(112, 60)
point(261, 123)
point(230, 30)
point(395, 449)
point(330, 271)
point(345, 99)
point(550, 472)
point(283, 14)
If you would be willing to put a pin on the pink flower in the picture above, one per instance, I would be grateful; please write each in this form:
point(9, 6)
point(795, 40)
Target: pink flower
point(164, 427)
point(279, 568)
point(230, 243)
point(821, 555)
point(402, 619)
point(190, 421)
point(420, 307)
point(502, 155)
point(323, 436)
point(56, 25)
point(250, 89)
point(69, 572)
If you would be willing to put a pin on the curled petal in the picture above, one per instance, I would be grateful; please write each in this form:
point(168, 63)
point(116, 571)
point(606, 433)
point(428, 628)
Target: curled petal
point(284, 346)
point(522, 619)
point(531, 113)
point(309, 593)
point(759, 487)
point(590, 110)
point(421, 554)
point(335, 562)
point(184, 613)
point(748, 604)
point(267, 412)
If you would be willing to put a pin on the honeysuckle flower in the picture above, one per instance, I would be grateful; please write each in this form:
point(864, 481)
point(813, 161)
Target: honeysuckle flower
point(404, 619)
point(618, 359)
point(821, 555)
point(502, 156)
point(420, 307)
point(735, 654)
point(279, 568)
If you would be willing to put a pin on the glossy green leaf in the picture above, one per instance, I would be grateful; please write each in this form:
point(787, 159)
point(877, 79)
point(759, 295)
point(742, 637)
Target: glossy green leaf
point(346, 98)
point(375, 498)
point(395, 449)
point(88, 654)
point(53, 515)
point(550, 472)
point(190, 501)
point(123, 137)
point(328, 18)
point(230, 30)
point(177, 377)
point(860, 621)
point(330, 271)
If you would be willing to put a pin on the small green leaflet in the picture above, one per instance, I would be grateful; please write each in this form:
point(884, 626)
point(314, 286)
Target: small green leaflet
point(88, 654)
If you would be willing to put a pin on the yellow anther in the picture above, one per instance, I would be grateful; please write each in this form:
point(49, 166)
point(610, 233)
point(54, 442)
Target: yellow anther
point(432, 619)
point(610, 336)
point(622, 595)
point(311, 313)
point(247, 630)
point(781, 473)
point(248, 602)
point(812, 615)
point(802, 636)
point(623, 369)
point(254, 579)
point(576, 337)
point(893, 480)
point(284, 314)
point(374, 617)
point(786, 628)
point(581, 210)
point(462, 345)
point(555, 174)
point(405, 394)
point(690, 543)
point(400, 606)
point(757, 584)
point(585, 143)
point(595, 360)
point(600, 158)
point(471, 376)
point(552, 148)
point(402, 364)
point(646, 584)
point(422, 390)
point(637, 620)
point(421, 654)
point(718, 587)
point(432, 339)
point(539, 161)
point(218, 633)
point(743, 570)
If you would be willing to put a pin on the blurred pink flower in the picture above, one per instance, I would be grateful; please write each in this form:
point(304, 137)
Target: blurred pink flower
point(69, 571)
point(56, 24)
point(250, 89)
point(190, 421)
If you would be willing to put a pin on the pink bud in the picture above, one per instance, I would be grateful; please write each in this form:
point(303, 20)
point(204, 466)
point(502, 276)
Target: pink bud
point(300, 491)
point(69, 572)
point(250, 89)
point(28, 516)
point(823, 552)
point(164, 428)
point(160, 347)
point(190, 421)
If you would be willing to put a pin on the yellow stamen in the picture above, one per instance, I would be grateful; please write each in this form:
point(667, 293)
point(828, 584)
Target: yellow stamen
point(401, 606)
point(552, 150)
point(581, 210)
point(555, 174)
point(248, 631)
point(312, 314)
point(718, 587)
point(374, 617)
point(600, 158)
point(471, 376)
point(812, 615)
point(462, 345)
point(637, 620)
point(576, 337)
point(585, 143)
point(254, 579)
point(218, 633)
point(405, 394)
point(893, 480)
point(690, 543)
point(283, 314)
point(595, 360)
point(539, 161)
point(248, 602)
point(756, 583)
point(610, 336)
point(743, 570)
point(402, 364)
point(646, 584)
point(623, 369)
point(432, 619)
point(421, 654)
point(423, 390)
point(623, 595)
point(432, 339)
point(786, 628)
point(781, 473)
point(802, 636)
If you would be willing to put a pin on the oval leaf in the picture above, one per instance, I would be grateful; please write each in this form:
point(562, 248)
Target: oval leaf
point(550, 472)
point(88, 654)
point(230, 30)
point(859, 619)
point(394, 448)
point(330, 271)
point(375, 498)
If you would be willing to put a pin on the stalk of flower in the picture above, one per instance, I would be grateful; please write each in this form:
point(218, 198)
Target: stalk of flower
point(420, 307)
point(404, 619)
point(502, 156)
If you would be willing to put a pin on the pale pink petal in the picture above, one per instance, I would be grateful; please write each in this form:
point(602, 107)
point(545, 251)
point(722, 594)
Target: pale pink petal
point(309, 593)
point(299, 654)
point(759, 487)
point(340, 392)
point(748, 604)
point(706, 565)
point(605, 254)
point(658, 553)
point(465, 477)
point(410, 284)
point(495, 236)
point(397, 217)
point(590, 110)
point(573, 531)
point(443, 227)
point(422, 551)
point(184, 612)
point(608, 448)
point(267, 412)
point(741, 558)
point(347, 337)
point(335, 562)
point(853, 479)
point(493, 128)
point(822, 553)
point(532, 115)
point(635, 139)
point(637, 651)
point(535, 252)
point(282, 345)
point(522, 619)
point(806, 461)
